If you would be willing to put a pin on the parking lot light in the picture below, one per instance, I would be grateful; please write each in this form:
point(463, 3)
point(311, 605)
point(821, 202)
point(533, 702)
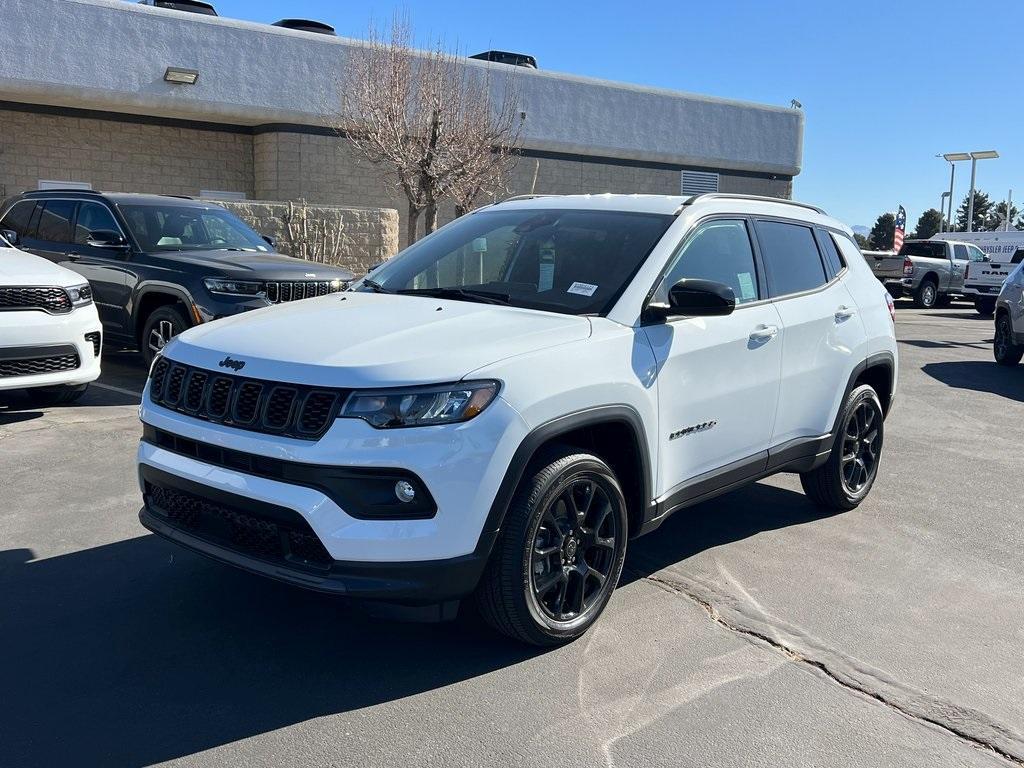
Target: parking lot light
point(975, 157)
point(953, 158)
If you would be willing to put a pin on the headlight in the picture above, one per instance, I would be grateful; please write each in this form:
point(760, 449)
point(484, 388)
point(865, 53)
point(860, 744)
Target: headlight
point(80, 295)
point(233, 287)
point(421, 406)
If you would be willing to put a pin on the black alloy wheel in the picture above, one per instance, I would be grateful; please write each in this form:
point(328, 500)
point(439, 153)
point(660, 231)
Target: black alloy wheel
point(862, 444)
point(574, 550)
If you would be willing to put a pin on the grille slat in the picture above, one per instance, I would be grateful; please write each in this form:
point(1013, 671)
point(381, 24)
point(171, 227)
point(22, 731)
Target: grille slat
point(48, 299)
point(34, 366)
point(251, 404)
point(294, 290)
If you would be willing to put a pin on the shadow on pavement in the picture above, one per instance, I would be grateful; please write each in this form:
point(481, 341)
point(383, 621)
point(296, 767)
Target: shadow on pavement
point(980, 376)
point(138, 652)
point(930, 344)
point(733, 517)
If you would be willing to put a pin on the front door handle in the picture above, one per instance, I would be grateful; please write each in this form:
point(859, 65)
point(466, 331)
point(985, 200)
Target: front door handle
point(764, 333)
point(844, 313)
point(74, 256)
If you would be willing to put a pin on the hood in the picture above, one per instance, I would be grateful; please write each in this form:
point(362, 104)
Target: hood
point(255, 265)
point(20, 268)
point(368, 340)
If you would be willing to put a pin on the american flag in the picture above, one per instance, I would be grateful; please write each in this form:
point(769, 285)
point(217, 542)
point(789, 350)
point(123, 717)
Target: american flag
point(901, 229)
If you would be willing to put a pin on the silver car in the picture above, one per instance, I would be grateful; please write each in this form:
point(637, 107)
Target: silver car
point(1009, 342)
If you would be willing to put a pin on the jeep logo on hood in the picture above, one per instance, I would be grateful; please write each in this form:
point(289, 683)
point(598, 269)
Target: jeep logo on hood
point(234, 365)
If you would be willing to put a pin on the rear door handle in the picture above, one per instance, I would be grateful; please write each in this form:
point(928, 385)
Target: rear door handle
point(74, 256)
point(844, 313)
point(764, 333)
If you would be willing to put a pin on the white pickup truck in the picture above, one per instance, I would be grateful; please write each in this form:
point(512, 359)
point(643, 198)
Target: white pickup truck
point(992, 256)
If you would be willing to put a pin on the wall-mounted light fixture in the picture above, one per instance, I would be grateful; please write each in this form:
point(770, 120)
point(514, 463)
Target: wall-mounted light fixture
point(180, 76)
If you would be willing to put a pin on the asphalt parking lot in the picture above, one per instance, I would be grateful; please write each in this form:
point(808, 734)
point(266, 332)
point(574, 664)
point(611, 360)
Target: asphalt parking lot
point(753, 630)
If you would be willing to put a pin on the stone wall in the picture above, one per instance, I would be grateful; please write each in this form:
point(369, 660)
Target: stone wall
point(354, 238)
point(120, 156)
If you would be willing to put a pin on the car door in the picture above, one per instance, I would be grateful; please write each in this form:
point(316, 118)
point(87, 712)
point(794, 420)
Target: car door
point(104, 268)
point(822, 336)
point(718, 377)
point(958, 266)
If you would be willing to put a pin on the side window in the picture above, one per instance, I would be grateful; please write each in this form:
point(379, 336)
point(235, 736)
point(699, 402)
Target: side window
point(55, 221)
point(976, 253)
point(19, 217)
point(960, 252)
point(718, 250)
point(91, 218)
point(1018, 257)
point(833, 261)
point(791, 257)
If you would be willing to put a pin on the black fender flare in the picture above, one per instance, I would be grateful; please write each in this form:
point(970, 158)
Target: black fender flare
point(157, 286)
point(545, 433)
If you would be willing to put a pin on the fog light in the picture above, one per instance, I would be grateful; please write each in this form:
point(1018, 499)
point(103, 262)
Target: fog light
point(404, 491)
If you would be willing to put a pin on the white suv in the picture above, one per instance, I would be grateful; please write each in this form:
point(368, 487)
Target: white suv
point(1008, 344)
point(50, 336)
point(496, 410)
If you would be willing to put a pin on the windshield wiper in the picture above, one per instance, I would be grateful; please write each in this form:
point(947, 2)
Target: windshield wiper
point(374, 286)
point(464, 294)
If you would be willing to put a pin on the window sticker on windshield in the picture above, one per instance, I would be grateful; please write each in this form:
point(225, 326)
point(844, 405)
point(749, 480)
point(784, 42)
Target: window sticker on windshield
point(583, 289)
point(747, 291)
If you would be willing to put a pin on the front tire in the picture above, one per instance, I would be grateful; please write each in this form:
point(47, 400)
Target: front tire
point(561, 552)
point(927, 295)
point(845, 479)
point(163, 324)
point(1003, 349)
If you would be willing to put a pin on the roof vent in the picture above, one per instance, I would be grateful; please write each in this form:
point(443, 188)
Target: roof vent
point(306, 25)
point(189, 6)
point(505, 57)
point(698, 182)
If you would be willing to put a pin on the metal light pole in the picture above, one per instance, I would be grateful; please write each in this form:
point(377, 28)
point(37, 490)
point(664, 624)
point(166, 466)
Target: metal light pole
point(952, 158)
point(975, 157)
point(1009, 207)
point(942, 209)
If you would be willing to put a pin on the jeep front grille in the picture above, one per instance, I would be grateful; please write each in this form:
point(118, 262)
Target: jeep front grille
point(293, 410)
point(293, 290)
point(54, 300)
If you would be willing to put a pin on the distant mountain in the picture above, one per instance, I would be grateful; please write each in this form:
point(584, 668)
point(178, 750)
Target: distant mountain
point(860, 229)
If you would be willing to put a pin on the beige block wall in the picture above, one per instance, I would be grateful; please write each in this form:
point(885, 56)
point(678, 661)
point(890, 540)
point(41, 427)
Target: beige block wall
point(326, 169)
point(120, 156)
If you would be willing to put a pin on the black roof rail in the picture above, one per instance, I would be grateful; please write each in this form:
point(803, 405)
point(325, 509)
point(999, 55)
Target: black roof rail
point(306, 25)
point(62, 190)
point(762, 198)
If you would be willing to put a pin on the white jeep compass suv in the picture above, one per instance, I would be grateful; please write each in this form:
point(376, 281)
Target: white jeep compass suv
point(50, 336)
point(498, 409)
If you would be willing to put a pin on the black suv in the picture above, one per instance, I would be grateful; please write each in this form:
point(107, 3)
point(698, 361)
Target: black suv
point(160, 264)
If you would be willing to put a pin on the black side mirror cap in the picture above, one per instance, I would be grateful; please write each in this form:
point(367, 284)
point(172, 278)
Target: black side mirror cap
point(9, 235)
point(272, 242)
point(106, 238)
point(692, 297)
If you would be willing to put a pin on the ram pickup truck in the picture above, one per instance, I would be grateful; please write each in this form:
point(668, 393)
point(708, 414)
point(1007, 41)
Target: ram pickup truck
point(931, 272)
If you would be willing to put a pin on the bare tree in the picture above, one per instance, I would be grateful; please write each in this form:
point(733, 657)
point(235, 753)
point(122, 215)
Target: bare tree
point(430, 120)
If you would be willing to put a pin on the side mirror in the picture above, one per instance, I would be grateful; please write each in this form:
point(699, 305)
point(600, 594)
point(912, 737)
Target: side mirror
point(696, 298)
point(10, 236)
point(375, 266)
point(106, 238)
point(272, 242)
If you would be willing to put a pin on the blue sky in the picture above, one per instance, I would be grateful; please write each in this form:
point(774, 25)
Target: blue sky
point(885, 85)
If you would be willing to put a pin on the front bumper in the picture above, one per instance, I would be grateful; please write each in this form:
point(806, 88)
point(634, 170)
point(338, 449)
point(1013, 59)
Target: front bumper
point(412, 583)
point(38, 330)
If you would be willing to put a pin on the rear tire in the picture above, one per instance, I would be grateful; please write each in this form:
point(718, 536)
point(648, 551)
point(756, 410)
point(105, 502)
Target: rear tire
point(845, 479)
point(561, 551)
point(163, 324)
point(1003, 349)
point(927, 295)
point(984, 306)
point(62, 394)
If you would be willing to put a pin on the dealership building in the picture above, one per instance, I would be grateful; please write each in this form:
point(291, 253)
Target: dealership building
point(85, 100)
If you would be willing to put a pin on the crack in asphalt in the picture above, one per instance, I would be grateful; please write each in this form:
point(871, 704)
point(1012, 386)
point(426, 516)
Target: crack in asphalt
point(968, 725)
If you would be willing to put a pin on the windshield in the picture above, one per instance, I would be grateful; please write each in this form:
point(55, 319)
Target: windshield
point(190, 228)
point(570, 261)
